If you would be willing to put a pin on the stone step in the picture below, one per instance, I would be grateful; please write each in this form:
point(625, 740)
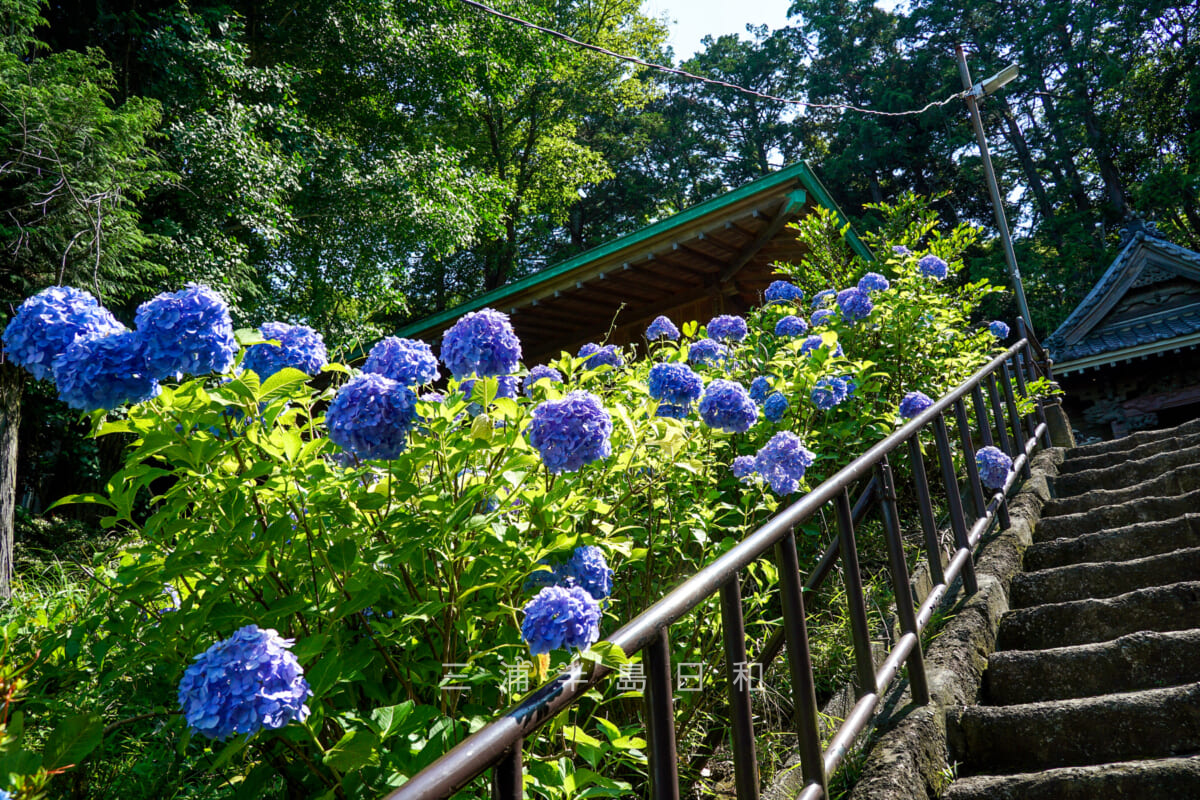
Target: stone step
point(1177, 482)
point(1106, 579)
point(1074, 461)
point(1176, 778)
point(1122, 544)
point(1135, 440)
point(1142, 660)
point(1127, 471)
point(1173, 607)
point(1154, 723)
point(1146, 509)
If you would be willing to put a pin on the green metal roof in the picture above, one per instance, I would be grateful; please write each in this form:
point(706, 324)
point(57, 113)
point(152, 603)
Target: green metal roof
point(781, 178)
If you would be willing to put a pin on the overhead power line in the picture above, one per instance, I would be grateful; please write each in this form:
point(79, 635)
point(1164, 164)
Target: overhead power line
point(711, 81)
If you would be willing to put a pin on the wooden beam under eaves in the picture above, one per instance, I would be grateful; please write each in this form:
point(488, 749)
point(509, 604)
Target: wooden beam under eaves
point(795, 199)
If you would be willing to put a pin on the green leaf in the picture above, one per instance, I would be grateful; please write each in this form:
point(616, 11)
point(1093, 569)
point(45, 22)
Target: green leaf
point(229, 751)
point(576, 735)
point(248, 336)
point(387, 720)
point(354, 750)
point(281, 381)
point(72, 741)
point(343, 555)
point(608, 654)
point(84, 497)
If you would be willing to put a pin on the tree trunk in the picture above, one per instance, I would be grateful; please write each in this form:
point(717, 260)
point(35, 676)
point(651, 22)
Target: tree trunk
point(1064, 155)
point(1012, 132)
point(10, 423)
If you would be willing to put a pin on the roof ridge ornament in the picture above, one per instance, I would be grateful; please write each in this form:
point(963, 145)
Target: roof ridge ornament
point(1148, 229)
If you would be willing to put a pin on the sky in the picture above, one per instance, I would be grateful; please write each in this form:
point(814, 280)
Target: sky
point(692, 20)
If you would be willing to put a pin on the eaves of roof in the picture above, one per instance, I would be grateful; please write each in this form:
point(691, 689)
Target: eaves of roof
point(778, 184)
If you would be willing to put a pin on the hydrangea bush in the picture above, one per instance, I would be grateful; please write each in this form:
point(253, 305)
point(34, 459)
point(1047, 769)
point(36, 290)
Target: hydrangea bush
point(413, 549)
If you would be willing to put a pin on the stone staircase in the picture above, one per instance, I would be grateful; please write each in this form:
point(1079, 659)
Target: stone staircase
point(1093, 691)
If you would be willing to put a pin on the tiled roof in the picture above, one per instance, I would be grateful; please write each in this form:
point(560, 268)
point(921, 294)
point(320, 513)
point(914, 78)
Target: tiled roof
point(1138, 333)
point(1131, 268)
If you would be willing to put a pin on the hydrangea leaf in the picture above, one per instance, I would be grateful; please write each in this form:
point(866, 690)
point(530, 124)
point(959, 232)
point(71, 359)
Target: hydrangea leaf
point(72, 741)
point(281, 382)
point(388, 720)
point(354, 750)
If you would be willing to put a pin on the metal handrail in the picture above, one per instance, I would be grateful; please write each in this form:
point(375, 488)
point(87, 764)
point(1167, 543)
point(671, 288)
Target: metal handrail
point(498, 745)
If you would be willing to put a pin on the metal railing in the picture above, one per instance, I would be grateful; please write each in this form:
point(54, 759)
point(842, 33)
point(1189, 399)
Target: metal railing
point(498, 745)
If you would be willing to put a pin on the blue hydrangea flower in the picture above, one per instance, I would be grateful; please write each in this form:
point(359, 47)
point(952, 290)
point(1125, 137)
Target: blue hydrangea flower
point(596, 356)
point(823, 298)
point(675, 384)
point(855, 304)
point(46, 323)
point(707, 351)
point(994, 466)
point(782, 462)
point(760, 387)
point(407, 361)
point(743, 468)
point(662, 327)
point(371, 416)
point(792, 326)
point(300, 347)
point(873, 282)
point(173, 601)
point(821, 317)
point(433, 397)
point(814, 343)
point(727, 327)
point(933, 267)
point(999, 329)
point(539, 373)
point(828, 392)
point(901, 250)
point(243, 684)
point(555, 575)
point(726, 405)
point(775, 407)
point(188, 332)
point(673, 411)
point(104, 372)
point(561, 618)
point(588, 569)
point(783, 292)
point(482, 342)
point(914, 403)
point(571, 432)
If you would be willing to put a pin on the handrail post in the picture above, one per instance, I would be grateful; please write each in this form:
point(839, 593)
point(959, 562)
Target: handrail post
point(860, 631)
point(508, 782)
point(933, 545)
point(741, 717)
point(660, 708)
point(985, 436)
point(1030, 361)
point(804, 692)
point(957, 523)
point(1014, 418)
point(998, 415)
point(964, 434)
point(900, 584)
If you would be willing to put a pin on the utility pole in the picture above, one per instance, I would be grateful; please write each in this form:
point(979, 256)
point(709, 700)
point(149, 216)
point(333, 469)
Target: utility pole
point(972, 93)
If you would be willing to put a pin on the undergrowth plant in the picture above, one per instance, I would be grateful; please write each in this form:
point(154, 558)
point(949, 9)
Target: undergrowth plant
point(325, 577)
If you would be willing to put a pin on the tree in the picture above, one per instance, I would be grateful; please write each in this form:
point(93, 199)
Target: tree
point(75, 166)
